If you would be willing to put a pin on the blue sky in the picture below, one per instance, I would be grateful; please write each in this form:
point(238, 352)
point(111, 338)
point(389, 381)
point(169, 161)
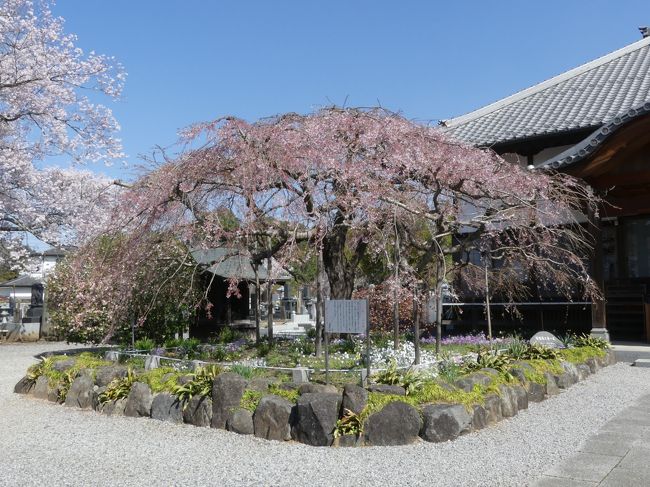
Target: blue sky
point(193, 60)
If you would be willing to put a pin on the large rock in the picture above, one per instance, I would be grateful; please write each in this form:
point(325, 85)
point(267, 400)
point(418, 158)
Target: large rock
point(610, 357)
point(387, 389)
point(536, 391)
point(583, 371)
point(520, 395)
point(315, 418)
point(166, 407)
point(355, 399)
point(260, 384)
point(593, 364)
point(41, 387)
point(508, 401)
point(105, 375)
point(443, 422)
point(492, 404)
point(397, 423)
point(63, 365)
point(54, 393)
point(479, 417)
point(198, 411)
point(271, 418)
point(24, 386)
point(97, 392)
point(138, 402)
point(551, 384)
point(113, 408)
point(477, 378)
point(569, 377)
point(310, 387)
point(518, 373)
point(81, 393)
point(227, 391)
point(240, 421)
point(348, 441)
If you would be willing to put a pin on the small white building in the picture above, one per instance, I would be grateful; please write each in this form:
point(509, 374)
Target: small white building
point(16, 294)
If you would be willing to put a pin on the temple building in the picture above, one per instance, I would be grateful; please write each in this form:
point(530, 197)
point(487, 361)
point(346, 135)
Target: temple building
point(592, 122)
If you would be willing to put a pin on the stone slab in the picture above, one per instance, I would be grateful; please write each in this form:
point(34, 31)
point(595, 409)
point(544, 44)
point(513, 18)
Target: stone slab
point(617, 448)
point(637, 460)
point(623, 477)
point(547, 481)
point(642, 362)
point(591, 467)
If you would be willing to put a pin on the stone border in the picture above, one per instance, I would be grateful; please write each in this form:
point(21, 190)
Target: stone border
point(312, 420)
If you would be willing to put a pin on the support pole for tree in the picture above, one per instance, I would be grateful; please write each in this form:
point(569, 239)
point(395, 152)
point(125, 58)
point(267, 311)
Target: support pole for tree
point(416, 327)
point(487, 304)
point(319, 304)
point(269, 297)
point(438, 315)
point(396, 291)
point(257, 306)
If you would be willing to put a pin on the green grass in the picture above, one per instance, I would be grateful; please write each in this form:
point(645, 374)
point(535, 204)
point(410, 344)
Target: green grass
point(580, 355)
point(163, 379)
point(290, 395)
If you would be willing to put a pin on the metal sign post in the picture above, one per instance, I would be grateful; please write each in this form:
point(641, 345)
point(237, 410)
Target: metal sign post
point(346, 316)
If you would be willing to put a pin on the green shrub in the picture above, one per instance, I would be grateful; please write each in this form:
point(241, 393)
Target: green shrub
point(144, 344)
point(200, 385)
point(517, 347)
point(349, 424)
point(593, 342)
point(118, 388)
point(250, 400)
point(243, 370)
point(540, 352)
point(162, 379)
point(487, 359)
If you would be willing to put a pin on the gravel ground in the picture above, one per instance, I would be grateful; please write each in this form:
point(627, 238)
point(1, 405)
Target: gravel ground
point(46, 444)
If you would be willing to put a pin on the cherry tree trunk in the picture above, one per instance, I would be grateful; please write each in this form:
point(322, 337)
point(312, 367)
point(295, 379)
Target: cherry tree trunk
point(340, 269)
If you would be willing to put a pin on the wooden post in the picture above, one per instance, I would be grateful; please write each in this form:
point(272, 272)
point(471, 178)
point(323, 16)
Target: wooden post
point(598, 310)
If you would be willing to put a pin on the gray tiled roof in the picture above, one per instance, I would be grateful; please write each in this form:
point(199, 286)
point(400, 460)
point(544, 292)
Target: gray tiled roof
point(227, 263)
point(585, 97)
point(22, 281)
point(595, 140)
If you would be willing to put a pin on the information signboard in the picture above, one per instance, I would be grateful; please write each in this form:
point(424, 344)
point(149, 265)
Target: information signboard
point(346, 316)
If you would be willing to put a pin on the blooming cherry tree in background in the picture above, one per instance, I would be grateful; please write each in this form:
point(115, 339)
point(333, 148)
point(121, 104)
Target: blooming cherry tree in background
point(343, 180)
point(46, 110)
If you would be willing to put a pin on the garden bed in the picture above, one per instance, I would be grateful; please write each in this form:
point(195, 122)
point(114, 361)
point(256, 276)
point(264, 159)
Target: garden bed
point(397, 407)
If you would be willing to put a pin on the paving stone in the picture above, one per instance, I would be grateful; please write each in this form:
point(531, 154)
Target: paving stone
point(637, 459)
point(623, 477)
point(612, 448)
point(547, 481)
point(585, 466)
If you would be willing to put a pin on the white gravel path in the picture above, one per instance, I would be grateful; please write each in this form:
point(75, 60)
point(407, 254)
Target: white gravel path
point(46, 444)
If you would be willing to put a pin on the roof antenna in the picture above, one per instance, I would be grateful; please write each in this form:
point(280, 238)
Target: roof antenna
point(645, 31)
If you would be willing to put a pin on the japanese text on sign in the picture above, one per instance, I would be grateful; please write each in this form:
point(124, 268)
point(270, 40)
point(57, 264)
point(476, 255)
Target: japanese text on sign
point(346, 316)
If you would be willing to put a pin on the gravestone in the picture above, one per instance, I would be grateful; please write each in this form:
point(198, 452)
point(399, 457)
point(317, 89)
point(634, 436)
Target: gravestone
point(546, 339)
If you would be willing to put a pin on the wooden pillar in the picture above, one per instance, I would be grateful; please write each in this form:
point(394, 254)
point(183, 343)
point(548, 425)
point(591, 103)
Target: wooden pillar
point(598, 309)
